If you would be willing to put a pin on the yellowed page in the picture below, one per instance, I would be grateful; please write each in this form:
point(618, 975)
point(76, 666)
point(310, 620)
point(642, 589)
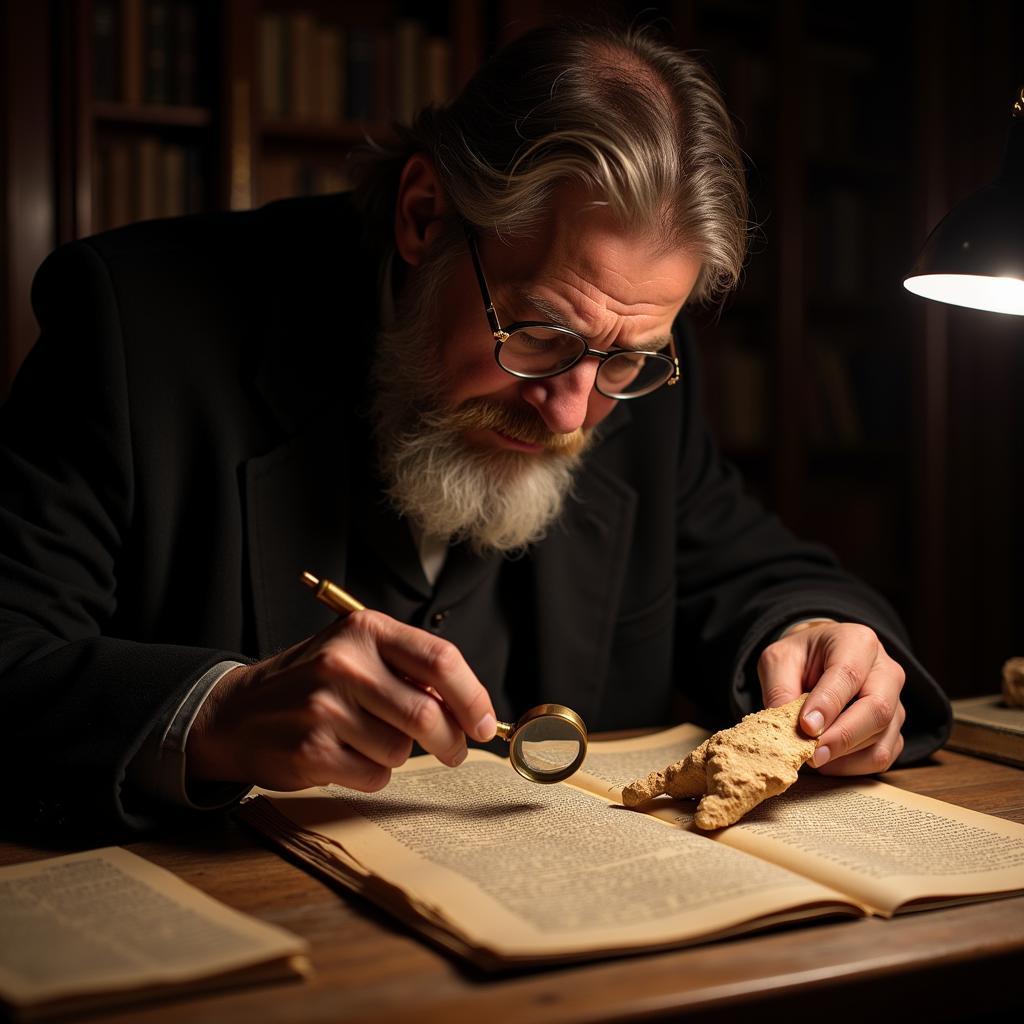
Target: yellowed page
point(612, 764)
point(108, 921)
point(883, 846)
point(542, 871)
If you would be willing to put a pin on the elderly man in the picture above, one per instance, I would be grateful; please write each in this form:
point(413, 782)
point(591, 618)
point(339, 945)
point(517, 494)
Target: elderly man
point(467, 392)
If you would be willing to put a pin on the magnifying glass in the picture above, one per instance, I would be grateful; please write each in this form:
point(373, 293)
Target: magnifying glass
point(546, 745)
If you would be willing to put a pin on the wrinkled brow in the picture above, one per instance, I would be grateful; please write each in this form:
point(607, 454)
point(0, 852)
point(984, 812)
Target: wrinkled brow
point(654, 344)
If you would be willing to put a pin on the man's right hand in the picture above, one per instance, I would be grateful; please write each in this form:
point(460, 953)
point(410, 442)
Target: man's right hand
point(343, 706)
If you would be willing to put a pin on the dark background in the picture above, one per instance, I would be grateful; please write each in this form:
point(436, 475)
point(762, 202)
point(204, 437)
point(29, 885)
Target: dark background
point(885, 426)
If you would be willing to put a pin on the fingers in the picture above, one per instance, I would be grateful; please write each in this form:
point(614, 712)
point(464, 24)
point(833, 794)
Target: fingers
point(876, 754)
point(849, 653)
point(434, 662)
point(853, 701)
point(416, 683)
point(344, 706)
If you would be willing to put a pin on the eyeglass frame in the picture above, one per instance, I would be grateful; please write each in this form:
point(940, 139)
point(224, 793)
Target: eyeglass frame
point(501, 335)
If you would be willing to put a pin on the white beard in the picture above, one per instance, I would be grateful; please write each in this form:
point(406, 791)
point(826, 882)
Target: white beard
point(494, 499)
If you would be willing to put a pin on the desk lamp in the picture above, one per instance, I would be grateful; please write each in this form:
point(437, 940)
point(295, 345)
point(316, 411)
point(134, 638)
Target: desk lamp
point(975, 257)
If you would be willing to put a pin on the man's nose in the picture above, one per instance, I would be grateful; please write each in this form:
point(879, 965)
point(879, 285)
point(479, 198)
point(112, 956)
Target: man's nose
point(562, 401)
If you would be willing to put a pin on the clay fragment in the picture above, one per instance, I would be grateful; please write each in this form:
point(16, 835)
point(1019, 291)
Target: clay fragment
point(735, 769)
point(1013, 683)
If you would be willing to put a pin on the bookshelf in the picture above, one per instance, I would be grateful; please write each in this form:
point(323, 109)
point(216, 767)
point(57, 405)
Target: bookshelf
point(178, 106)
point(870, 422)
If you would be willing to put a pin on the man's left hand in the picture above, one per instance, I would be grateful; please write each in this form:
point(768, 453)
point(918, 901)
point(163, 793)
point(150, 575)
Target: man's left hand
point(853, 704)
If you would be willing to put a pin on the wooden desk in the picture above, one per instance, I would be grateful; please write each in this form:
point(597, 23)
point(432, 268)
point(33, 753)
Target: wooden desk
point(956, 964)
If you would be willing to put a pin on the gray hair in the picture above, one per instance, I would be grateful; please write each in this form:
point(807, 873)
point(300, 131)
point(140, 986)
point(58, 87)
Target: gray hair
point(639, 123)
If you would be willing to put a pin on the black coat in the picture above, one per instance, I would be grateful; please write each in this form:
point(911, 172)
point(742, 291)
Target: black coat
point(174, 452)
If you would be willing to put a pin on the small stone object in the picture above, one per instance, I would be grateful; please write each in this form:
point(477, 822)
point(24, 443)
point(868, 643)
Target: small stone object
point(734, 770)
point(1013, 683)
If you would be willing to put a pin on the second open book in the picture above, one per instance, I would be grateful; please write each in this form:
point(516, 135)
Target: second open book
point(506, 872)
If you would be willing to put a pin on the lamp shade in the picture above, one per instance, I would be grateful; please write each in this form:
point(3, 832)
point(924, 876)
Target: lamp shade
point(975, 256)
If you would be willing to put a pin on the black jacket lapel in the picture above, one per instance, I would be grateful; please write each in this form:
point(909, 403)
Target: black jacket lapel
point(578, 573)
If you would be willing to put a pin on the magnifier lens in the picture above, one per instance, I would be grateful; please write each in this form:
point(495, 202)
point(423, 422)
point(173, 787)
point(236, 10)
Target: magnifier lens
point(548, 748)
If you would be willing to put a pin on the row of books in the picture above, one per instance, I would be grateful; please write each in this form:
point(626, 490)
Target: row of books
point(847, 400)
point(283, 176)
point(841, 258)
point(146, 51)
point(314, 71)
point(144, 177)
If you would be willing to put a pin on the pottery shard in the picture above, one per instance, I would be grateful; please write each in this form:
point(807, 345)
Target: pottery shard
point(734, 770)
point(1013, 682)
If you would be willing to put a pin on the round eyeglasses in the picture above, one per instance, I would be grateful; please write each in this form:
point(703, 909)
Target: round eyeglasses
point(534, 349)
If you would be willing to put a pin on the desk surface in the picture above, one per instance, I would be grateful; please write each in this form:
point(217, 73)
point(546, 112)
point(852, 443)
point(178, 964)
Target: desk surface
point(945, 964)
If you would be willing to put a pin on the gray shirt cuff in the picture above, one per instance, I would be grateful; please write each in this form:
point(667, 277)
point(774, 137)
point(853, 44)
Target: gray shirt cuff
point(158, 770)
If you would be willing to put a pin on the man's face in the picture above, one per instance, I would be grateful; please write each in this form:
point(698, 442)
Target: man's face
point(467, 451)
point(582, 270)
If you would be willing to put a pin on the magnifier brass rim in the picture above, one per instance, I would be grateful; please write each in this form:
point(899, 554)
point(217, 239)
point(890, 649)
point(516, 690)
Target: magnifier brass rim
point(547, 711)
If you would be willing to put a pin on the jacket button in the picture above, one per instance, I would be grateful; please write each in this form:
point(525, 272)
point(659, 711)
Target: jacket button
point(437, 619)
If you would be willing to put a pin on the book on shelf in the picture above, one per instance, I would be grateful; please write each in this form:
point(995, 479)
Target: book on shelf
point(146, 51)
point(301, 37)
point(143, 177)
point(107, 928)
point(157, 76)
point(989, 727)
point(313, 71)
point(507, 873)
point(272, 65)
point(362, 53)
point(133, 58)
point(105, 48)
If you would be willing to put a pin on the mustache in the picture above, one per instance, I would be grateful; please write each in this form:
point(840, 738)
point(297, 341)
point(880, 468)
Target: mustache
point(517, 422)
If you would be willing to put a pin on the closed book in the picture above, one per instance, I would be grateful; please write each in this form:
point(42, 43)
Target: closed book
point(301, 27)
point(361, 50)
point(148, 177)
point(173, 180)
point(132, 53)
point(157, 88)
point(194, 198)
point(277, 178)
point(106, 61)
point(408, 44)
point(330, 67)
point(436, 71)
point(384, 76)
point(988, 727)
point(273, 89)
point(185, 53)
point(119, 191)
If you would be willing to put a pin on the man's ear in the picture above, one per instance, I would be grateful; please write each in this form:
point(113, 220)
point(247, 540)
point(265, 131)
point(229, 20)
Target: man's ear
point(419, 209)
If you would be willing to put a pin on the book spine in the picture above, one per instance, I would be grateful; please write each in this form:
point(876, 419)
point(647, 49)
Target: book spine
point(106, 66)
point(194, 189)
point(301, 27)
point(329, 92)
point(157, 49)
point(131, 52)
point(272, 66)
point(173, 180)
point(119, 195)
point(384, 76)
point(148, 177)
point(361, 50)
point(437, 70)
point(185, 51)
point(408, 40)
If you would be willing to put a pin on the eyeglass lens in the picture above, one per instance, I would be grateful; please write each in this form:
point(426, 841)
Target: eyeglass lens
point(544, 351)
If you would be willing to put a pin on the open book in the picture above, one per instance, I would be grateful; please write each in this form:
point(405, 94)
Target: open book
point(508, 873)
point(105, 928)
